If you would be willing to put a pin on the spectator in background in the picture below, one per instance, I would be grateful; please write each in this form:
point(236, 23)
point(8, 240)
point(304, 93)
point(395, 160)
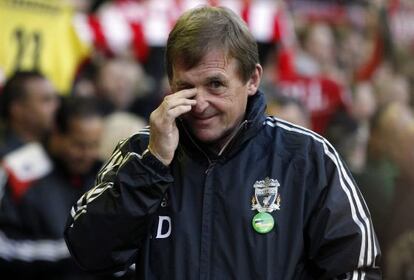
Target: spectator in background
point(318, 55)
point(388, 180)
point(364, 103)
point(343, 133)
point(314, 76)
point(76, 139)
point(117, 82)
point(391, 86)
point(400, 150)
point(118, 126)
point(289, 109)
point(33, 213)
point(124, 86)
point(353, 50)
point(349, 129)
point(28, 103)
point(364, 106)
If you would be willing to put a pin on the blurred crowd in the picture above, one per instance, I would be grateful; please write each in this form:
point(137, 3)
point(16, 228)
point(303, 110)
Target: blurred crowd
point(77, 77)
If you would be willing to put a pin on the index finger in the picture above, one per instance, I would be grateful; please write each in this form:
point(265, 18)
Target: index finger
point(185, 93)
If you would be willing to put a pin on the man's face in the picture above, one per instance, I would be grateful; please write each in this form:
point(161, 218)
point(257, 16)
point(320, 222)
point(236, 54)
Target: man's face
point(40, 105)
point(80, 145)
point(221, 96)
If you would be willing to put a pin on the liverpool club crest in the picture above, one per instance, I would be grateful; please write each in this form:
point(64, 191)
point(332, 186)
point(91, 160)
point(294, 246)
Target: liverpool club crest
point(266, 195)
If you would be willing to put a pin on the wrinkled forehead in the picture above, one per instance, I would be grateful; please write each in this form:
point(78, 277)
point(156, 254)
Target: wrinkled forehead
point(212, 59)
point(211, 56)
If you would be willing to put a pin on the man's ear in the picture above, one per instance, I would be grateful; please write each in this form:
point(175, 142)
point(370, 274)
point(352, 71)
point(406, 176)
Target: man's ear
point(254, 81)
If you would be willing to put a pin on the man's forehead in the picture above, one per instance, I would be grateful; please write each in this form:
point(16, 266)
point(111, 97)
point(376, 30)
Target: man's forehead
point(216, 55)
point(219, 62)
point(213, 63)
point(202, 72)
point(212, 58)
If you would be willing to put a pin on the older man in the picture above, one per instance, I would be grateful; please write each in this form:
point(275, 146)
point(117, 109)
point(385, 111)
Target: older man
point(214, 189)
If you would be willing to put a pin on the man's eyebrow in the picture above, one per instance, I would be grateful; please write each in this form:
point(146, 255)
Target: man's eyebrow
point(217, 77)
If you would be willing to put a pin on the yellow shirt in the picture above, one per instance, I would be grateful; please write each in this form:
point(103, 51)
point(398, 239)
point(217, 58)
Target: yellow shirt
point(39, 35)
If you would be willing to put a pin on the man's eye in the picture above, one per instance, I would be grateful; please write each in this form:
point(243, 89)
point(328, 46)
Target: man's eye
point(215, 84)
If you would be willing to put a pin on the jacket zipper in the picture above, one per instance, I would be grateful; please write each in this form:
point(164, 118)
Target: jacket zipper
point(236, 133)
point(210, 167)
point(207, 220)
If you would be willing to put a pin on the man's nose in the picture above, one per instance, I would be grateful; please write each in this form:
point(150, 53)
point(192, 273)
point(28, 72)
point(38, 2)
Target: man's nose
point(202, 102)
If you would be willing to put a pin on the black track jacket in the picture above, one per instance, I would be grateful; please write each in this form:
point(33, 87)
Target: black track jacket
point(193, 219)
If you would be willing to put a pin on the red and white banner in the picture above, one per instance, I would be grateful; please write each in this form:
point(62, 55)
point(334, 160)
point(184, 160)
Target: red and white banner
point(121, 24)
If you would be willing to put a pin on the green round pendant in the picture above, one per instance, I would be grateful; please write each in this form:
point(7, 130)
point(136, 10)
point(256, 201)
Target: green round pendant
point(263, 222)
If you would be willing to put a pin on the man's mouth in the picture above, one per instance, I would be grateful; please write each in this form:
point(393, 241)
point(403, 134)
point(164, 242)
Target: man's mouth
point(202, 119)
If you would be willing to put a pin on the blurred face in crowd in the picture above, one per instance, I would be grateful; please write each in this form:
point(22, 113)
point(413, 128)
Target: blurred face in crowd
point(364, 103)
point(401, 89)
point(290, 112)
point(391, 86)
point(395, 137)
point(221, 95)
point(36, 111)
point(401, 137)
point(350, 49)
point(117, 82)
point(79, 146)
point(320, 43)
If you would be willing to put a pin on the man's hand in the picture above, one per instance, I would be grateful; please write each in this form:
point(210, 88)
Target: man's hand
point(163, 132)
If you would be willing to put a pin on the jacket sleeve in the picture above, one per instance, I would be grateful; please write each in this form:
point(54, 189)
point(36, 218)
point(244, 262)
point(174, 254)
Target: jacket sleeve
point(342, 241)
point(110, 222)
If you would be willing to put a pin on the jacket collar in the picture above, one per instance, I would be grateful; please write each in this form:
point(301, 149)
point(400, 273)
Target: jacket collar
point(251, 125)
